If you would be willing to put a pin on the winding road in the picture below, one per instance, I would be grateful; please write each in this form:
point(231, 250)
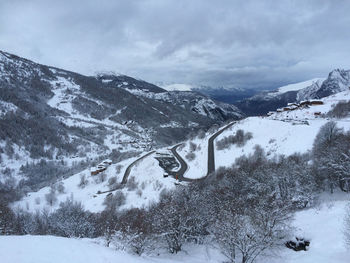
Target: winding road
point(126, 174)
point(180, 173)
point(211, 158)
point(183, 165)
point(211, 151)
point(127, 171)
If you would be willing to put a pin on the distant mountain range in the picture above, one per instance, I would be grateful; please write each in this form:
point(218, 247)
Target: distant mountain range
point(255, 102)
point(338, 80)
point(229, 95)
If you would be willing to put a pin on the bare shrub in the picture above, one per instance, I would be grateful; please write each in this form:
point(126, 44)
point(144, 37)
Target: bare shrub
point(190, 156)
point(83, 182)
point(100, 178)
point(143, 185)
point(240, 139)
point(112, 182)
point(201, 134)
point(340, 110)
point(157, 185)
point(60, 188)
point(51, 198)
point(131, 183)
point(113, 202)
point(193, 147)
point(118, 168)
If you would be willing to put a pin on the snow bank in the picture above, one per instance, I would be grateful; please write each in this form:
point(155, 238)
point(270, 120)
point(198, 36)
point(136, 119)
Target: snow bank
point(44, 249)
point(323, 227)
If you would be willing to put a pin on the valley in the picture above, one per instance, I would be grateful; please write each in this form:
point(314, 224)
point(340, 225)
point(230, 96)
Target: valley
point(174, 160)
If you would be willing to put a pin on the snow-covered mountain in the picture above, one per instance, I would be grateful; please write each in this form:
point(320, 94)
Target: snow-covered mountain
point(338, 80)
point(228, 94)
point(181, 95)
point(178, 87)
point(52, 120)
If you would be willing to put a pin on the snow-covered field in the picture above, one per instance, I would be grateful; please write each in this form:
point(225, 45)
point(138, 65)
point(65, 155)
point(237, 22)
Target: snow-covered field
point(322, 225)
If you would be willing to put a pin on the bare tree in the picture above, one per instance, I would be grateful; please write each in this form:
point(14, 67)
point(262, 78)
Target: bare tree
point(113, 202)
point(60, 188)
point(248, 235)
point(51, 198)
point(83, 182)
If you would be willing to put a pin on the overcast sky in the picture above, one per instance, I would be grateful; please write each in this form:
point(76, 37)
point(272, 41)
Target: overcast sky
point(231, 43)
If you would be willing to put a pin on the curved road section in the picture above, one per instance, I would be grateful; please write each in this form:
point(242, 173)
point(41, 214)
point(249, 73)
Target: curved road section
point(211, 156)
point(126, 174)
point(180, 173)
point(127, 171)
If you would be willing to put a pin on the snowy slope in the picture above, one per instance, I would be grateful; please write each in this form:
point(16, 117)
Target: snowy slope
point(282, 133)
point(321, 225)
point(298, 86)
point(147, 173)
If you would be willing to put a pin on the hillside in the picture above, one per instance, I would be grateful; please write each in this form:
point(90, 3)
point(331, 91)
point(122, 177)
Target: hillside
point(282, 133)
point(54, 123)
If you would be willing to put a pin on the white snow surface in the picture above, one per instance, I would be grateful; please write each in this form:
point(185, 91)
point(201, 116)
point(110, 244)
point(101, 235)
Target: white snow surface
point(45, 249)
point(179, 87)
point(298, 85)
point(323, 226)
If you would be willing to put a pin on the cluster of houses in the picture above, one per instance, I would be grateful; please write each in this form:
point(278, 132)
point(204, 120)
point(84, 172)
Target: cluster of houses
point(294, 106)
point(101, 167)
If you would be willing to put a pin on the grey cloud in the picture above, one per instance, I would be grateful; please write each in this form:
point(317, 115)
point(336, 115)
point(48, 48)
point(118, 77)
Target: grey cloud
point(261, 43)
